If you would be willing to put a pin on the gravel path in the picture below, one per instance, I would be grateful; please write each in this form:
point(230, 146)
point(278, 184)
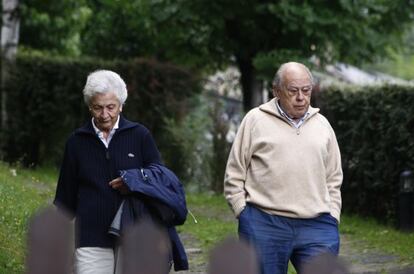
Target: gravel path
point(361, 260)
point(196, 256)
point(357, 259)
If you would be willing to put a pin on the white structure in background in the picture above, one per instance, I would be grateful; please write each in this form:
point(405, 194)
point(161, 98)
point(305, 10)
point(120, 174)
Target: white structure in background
point(340, 72)
point(225, 86)
point(10, 31)
point(225, 83)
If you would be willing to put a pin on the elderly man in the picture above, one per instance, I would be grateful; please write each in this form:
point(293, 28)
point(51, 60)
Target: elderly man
point(89, 186)
point(283, 176)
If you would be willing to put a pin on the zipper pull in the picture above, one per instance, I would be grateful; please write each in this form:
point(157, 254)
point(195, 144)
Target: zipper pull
point(195, 220)
point(107, 156)
point(144, 176)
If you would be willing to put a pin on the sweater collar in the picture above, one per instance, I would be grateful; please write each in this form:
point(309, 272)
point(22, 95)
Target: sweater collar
point(123, 124)
point(270, 107)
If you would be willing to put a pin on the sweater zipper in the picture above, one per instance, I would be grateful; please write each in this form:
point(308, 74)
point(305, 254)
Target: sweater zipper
point(108, 157)
point(291, 124)
point(107, 154)
point(298, 128)
point(108, 162)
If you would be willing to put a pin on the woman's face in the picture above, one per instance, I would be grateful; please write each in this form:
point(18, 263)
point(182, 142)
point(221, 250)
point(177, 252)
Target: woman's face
point(105, 108)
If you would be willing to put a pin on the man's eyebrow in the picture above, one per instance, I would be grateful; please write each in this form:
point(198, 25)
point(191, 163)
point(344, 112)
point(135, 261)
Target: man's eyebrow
point(305, 86)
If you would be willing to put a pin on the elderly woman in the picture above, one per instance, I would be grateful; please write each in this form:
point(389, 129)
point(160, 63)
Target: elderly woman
point(89, 186)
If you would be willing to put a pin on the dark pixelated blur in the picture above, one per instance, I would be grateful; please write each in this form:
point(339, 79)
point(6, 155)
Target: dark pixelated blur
point(325, 264)
point(233, 257)
point(145, 249)
point(50, 243)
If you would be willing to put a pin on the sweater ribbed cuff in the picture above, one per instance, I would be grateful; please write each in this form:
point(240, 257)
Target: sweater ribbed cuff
point(336, 215)
point(238, 207)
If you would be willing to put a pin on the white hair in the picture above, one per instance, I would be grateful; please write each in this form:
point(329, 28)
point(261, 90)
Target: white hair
point(103, 81)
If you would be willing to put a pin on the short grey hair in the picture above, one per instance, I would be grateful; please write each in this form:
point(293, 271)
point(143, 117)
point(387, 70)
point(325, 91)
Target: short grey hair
point(103, 81)
point(278, 79)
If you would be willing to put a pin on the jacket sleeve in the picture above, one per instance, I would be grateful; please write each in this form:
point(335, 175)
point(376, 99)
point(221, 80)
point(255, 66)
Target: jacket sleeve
point(236, 169)
point(334, 176)
point(178, 251)
point(67, 186)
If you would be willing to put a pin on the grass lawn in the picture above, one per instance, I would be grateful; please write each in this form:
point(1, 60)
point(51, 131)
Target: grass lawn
point(23, 192)
point(371, 235)
point(213, 223)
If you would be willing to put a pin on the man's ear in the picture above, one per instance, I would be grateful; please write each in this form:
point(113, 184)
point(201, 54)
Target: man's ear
point(275, 91)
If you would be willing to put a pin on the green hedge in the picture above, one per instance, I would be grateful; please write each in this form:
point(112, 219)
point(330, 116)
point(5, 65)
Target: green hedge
point(375, 131)
point(45, 103)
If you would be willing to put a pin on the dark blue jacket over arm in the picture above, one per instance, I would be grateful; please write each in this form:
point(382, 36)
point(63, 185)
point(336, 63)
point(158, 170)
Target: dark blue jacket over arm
point(158, 184)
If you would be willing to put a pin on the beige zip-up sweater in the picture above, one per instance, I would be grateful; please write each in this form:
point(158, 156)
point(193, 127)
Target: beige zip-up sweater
point(283, 170)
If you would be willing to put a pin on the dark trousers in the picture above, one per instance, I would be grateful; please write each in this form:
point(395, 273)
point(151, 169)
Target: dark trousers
point(279, 239)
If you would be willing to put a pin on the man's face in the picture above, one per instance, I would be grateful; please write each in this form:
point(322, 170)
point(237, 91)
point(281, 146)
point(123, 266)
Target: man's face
point(105, 108)
point(295, 92)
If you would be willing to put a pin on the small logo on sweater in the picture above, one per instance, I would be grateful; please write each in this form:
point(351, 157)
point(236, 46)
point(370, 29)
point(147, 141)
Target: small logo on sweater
point(130, 155)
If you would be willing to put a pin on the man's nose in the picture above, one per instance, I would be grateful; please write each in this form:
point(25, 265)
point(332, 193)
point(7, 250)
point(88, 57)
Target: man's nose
point(300, 96)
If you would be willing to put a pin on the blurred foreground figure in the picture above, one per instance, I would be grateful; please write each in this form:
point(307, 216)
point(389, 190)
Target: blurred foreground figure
point(144, 247)
point(112, 177)
point(284, 175)
point(49, 243)
point(325, 264)
point(233, 257)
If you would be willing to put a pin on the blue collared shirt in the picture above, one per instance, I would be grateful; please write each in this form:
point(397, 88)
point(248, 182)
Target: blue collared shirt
point(292, 121)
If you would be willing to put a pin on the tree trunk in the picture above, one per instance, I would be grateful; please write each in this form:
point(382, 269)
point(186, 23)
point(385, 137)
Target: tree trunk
point(221, 147)
point(251, 86)
point(9, 42)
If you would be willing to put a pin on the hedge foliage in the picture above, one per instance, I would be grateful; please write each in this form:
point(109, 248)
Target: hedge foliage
point(45, 102)
point(374, 125)
point(375, 131)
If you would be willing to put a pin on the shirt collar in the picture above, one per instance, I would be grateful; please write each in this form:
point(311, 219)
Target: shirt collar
point(284, 114)
point(97, 130)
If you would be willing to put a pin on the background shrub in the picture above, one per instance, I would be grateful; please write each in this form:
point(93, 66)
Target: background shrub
point(45, 102)
point(375, 131)
point(191, 136)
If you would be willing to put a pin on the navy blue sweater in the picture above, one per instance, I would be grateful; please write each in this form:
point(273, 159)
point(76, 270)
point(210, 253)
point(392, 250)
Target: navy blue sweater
point(87, 168)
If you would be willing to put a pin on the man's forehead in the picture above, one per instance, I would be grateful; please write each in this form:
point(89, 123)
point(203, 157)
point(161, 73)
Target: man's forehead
point(298, 82)
point(295, 73)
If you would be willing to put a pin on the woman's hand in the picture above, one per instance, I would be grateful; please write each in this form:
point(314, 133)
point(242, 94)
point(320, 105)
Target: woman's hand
point(119, 185)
